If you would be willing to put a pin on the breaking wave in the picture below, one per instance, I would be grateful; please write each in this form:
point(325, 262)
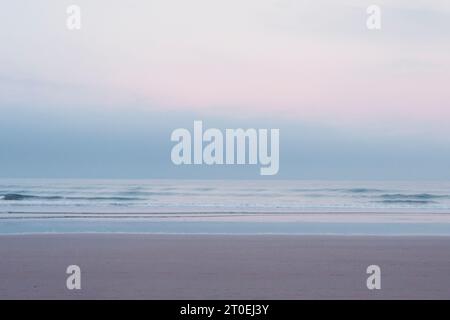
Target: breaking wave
point(18, 197)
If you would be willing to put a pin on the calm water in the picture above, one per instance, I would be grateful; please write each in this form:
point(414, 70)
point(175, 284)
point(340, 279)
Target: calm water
point(52, 205)
point(220, 196)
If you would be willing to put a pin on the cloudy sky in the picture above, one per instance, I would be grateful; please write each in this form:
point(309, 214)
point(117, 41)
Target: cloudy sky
point(101, 102)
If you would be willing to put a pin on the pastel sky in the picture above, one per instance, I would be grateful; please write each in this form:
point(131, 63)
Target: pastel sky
point(351, 103)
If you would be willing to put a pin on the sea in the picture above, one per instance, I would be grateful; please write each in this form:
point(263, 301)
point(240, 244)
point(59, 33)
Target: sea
point(225, 207)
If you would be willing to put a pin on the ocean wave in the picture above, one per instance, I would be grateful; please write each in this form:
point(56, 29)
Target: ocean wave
point(148, 193)
point(406, 201)
point(204, 189)
point(418, 196)
point(363, 190)
point(19, 197)
point(345, 190)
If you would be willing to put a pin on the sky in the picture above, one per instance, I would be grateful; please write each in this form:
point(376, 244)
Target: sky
point(101, 102)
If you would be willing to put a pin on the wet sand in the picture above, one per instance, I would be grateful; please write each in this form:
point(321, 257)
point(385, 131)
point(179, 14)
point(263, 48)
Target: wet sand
point(133, 266)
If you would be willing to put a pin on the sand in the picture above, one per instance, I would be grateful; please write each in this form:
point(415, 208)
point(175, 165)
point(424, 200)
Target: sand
point(127, 266)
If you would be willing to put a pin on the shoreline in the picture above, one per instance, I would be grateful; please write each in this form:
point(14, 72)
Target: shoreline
point(319, 217)
point(302, 225)
point(281, 235)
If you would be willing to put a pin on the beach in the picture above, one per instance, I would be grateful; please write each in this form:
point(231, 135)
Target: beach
point(201, 239)
point(152, 266)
